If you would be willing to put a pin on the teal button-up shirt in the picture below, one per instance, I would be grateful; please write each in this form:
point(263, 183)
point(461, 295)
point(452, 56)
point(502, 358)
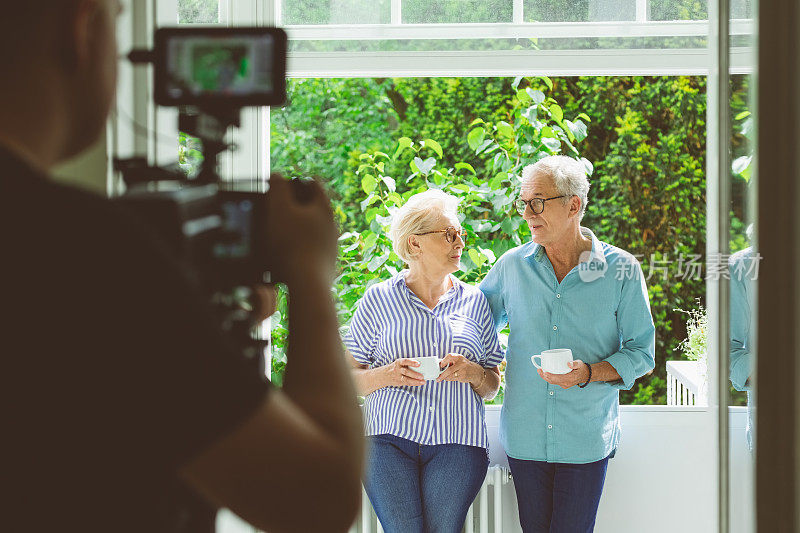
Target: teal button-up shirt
point(601, 311)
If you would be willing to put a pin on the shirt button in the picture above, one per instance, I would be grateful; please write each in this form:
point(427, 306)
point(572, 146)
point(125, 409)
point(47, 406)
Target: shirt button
point(551, 393)
point(558, 296)
point(549, 427)
point(430, 408)
point(555, 328)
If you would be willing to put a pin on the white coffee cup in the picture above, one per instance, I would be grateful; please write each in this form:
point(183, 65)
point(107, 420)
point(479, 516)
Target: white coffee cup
point(428, 367)
point(554, 361)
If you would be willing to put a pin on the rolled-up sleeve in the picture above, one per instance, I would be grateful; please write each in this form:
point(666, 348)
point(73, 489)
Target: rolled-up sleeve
point(637, 333)
point(362, 335)
point(493, 354)
point(492, 288)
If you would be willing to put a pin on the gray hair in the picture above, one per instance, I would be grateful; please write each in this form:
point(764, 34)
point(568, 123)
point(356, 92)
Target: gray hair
point(568, 175)
point(419, 214)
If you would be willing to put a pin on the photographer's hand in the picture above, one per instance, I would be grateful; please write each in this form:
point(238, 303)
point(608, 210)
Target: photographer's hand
point(265, 301)
point(301, 235)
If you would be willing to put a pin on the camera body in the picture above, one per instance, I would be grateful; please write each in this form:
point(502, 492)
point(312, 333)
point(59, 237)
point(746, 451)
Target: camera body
point(215, 228)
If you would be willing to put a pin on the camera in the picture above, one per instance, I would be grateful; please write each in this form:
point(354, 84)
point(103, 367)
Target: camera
point(214, 228)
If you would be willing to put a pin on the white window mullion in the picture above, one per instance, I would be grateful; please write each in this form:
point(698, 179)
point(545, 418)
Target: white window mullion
point(511, 63)
point(517, 15)
point(396, 12)
point(641, 11)
point(165, 119)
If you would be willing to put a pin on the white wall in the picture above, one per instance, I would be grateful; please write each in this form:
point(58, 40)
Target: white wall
point(663, 477)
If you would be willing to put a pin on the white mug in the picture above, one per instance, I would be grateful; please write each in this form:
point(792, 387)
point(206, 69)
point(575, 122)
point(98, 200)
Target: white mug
point(554, 361)
point(428, 367)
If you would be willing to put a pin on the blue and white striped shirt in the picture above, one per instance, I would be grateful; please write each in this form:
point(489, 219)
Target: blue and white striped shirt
point(391, 322)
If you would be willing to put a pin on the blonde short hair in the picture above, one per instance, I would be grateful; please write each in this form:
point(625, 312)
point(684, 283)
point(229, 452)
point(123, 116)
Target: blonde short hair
point(568, 175)
point(419, 214)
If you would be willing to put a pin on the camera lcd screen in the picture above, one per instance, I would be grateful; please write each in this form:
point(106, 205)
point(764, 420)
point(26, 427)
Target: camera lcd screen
point(221, 66)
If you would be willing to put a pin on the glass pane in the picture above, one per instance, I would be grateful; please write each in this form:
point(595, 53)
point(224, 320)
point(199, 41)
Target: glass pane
point(198, 11)
point(744, 267)
point(695, 9)
point(454, 11)
point(678, 9)
point(297, 12)
point(578, 10)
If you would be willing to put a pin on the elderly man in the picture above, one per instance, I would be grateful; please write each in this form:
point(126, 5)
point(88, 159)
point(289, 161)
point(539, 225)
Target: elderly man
point(565, 289)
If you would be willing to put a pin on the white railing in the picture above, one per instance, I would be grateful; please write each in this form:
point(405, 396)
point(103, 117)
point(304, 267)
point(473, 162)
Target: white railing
point(687, 383)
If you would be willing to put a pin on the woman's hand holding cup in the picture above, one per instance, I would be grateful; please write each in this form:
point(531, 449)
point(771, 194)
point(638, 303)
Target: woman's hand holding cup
point(459, 368)
point(400, 374)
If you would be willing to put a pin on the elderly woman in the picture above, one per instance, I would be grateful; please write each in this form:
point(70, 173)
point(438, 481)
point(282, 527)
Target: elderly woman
point(566, 289)
point(427, 439)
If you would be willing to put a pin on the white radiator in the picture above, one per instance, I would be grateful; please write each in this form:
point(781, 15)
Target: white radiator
point(485, 515)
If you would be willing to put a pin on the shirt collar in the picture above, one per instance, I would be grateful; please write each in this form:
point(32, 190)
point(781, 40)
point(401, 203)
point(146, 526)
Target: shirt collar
point(399, 280)
point(597, 254)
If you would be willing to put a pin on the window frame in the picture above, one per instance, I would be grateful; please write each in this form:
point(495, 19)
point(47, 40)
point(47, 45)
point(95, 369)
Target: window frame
point(142, 17)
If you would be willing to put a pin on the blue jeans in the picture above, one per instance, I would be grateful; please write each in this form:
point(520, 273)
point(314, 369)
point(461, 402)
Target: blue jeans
point(416, 488)
point(558, 497)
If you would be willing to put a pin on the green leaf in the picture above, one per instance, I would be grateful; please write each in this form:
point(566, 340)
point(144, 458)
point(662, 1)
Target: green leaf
point(370, 240)
point(498, 180)
point(382, 155)
point(578, 129)
point(390, 183)
point(364, 156)
point(351, 247)
point(461, 187)
point(376, 262)
point(740, 164)
point(433, 145)
point(588, 166)
point(394, 197)
point(536, 95)
point(547, 81)
point(466, 166)
point(504, 128)
point(531, 114)
point(488, 254)
point(371, 199)
point(476, 121)
point(568, 124)
point(583, 116)
point(556, 112)
point(475, 138)
point(424, 166)
point(553, 144)
point(368, 183)
point(477, 257)
point(742, 115)
point(484, 145)
point(402, 144)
